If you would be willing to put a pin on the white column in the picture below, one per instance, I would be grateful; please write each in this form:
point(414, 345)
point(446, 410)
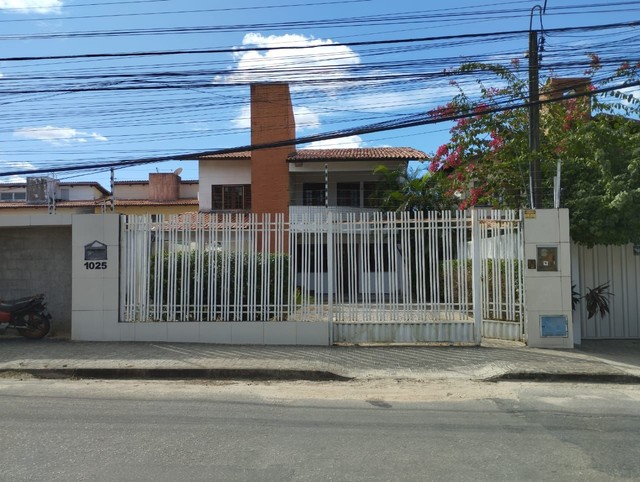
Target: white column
point(547, 278)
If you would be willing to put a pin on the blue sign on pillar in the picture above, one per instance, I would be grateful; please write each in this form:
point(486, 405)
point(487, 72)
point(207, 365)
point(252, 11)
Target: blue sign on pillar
point(554, 325)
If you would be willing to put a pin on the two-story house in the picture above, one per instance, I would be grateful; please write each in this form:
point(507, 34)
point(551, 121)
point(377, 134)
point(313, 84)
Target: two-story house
point(289, 180)
point(299, 182)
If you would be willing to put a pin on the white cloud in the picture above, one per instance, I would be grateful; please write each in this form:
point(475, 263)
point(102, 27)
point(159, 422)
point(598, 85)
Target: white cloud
point(18, 165)
point(306, 118)
point(57, 135)
point(342, 143)
point(325, 58)
point(14, 179)
point(243, 119)
point(98, 137)
point(31, 6)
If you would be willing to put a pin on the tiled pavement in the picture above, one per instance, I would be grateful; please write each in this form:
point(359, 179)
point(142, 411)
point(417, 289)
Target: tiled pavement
point(493, 359)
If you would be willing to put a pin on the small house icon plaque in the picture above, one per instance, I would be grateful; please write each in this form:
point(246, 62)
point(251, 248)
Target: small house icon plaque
point(95, 251)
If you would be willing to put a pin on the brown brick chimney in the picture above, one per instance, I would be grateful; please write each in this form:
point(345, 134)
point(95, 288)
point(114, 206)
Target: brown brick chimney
point(164, 187)
point(558, 87)
point(271, 121)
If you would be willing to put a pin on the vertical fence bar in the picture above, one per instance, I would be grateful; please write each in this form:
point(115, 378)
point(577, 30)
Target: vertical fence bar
point(124, 285)
point(330, 275)
point(293, 271)
point(392, 268)
point(466, 265)
point(212, 270)
point(407, 266)
point(476, 275)
point(434, 259)
point(263, 269)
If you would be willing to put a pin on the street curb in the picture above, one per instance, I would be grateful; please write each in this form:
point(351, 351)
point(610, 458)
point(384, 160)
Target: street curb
point(619, 378)
point(178, 374)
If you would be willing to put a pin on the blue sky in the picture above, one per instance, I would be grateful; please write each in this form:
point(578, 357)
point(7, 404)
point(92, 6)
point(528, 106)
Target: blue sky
point(83, 111)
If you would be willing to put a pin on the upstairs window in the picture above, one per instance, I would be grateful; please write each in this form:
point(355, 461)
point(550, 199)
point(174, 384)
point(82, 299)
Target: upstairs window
point(231, 197)
point(371, 195)
point(13, 196)
point(349, 194)
point(313, 194)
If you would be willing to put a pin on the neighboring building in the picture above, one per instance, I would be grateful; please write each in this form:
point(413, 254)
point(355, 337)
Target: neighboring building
point(290, 181)
point(42, 195)
point(163, 193)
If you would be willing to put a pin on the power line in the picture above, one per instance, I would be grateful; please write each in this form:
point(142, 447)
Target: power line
point(408, 121)
point(502, 35)
point(175, 12)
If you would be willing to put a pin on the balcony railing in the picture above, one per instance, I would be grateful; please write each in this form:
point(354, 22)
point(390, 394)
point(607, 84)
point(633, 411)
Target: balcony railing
point(299, 213)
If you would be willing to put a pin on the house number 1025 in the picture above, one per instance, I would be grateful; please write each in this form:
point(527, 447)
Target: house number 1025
point(95, 265)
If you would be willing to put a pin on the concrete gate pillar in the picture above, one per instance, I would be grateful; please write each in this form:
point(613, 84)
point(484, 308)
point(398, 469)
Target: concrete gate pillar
point(96, 277)
point(547, 278)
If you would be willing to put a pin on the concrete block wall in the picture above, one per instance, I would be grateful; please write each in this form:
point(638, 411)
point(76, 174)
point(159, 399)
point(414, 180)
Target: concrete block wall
point(35, 257)
point(547, 292)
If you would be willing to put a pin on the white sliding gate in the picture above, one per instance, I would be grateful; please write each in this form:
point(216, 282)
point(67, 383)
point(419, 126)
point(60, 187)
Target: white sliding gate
point(376, 277)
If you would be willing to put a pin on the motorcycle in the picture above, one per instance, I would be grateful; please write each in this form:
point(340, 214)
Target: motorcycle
point(28, 315)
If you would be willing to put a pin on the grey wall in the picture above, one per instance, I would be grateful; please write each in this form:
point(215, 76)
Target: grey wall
point(620, 267)
point(38, 260)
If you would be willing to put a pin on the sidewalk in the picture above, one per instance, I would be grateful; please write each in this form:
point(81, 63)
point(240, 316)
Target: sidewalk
point(610, 361)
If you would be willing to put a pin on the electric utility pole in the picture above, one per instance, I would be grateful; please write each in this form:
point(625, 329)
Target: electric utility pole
point(535, 174)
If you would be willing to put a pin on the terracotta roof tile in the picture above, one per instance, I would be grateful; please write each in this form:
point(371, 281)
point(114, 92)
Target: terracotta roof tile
point(182, 181)
point(59, 204)
point(357, 154)
point(146, 202)
point(233, 155)
point(93, 184)
point(98, 202)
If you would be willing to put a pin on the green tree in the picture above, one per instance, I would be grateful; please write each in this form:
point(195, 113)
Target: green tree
point(405, 189)
point(595, 138)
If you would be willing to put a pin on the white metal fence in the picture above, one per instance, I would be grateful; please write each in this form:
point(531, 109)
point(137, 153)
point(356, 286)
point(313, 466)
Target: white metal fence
point(501, 247)
point(201, 267)
point(345, 268)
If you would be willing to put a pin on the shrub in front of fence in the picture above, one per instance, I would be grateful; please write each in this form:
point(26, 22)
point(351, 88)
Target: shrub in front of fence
point(501, 291)
point(220, 285)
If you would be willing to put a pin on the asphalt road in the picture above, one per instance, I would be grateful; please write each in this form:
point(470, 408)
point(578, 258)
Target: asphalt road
point(157, 431)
